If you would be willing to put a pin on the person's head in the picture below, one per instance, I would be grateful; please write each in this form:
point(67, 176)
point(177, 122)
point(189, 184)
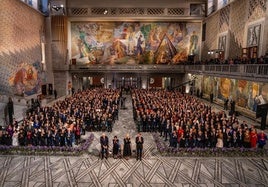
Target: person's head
point(103, 134)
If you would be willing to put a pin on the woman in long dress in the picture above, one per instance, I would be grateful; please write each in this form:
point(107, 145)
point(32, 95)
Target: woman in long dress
point(116, 147)
point(127, 147)
point(15, 138)
point(219, 139)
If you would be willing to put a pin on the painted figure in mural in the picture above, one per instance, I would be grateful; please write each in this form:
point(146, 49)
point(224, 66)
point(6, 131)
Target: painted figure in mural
point(139, 46)
point(25, 80)
point(154, 37)
point(119, 49)
point(29, 74)
point(252, 37)
point(131, 41)
point(19, 81)
point(86, 42)
point(193, 43)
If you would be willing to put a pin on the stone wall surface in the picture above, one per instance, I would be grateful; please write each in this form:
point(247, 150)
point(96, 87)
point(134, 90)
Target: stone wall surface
point(234, 19)
point(21, 28)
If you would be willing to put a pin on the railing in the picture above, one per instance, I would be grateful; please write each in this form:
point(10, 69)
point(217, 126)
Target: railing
point(246, 71)
point(243, 71)
point(128, 68)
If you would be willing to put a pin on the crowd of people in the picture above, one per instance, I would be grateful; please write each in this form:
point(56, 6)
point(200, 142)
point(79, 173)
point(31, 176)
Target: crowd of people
point(181, 119)
point(185, 121)
point(63, 123)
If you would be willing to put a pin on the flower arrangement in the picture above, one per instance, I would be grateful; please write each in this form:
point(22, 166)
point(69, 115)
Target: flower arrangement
point(164, 150)
point(48, 150)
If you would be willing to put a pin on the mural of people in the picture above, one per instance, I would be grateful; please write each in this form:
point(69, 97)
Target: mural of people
point(139, 47)
point(128, 42)
point(131, 41)
point(241, 96)
point(26, 80)
point(225, 88)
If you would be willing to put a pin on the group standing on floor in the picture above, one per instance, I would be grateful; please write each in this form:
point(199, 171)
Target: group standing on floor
point(117, 148)
point(187, 122)
point(181, 119)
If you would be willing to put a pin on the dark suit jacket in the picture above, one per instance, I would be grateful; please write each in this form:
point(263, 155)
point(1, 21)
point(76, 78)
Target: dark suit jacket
point(104, 141)
point(139, 143)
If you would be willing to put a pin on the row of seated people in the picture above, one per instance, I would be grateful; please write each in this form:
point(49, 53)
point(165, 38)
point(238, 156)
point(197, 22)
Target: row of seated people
point(186, 121)
point(63, 123)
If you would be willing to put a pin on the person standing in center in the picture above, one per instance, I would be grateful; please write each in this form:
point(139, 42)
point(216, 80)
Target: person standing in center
point(104, 141)
point(139, 146)
point(127, 147)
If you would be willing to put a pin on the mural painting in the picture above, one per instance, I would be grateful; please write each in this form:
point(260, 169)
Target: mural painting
point(26, 80)
point(243, 92)
point(208, 85)
point(134, 42)
point(225, 87)
point(264, 91)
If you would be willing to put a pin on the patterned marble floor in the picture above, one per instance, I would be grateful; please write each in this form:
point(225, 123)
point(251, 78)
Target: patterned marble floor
point(153, 170)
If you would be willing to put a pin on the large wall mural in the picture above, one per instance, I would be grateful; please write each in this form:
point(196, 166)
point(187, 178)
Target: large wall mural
point(243, 92)
point(27, 79)
point(134, 42)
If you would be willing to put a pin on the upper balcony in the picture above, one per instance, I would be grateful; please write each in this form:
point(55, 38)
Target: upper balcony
point(253, 72)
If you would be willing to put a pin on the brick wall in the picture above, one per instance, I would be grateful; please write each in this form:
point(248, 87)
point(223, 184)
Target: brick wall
point(20, 33)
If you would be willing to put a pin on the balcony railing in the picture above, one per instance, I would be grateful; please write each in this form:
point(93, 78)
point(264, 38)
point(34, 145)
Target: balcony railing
point(128, 68)
point(241, 71)
point(244, 71)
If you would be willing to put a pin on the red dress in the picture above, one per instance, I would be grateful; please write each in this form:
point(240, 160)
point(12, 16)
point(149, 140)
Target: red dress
point(253, 139)
point(180, 132)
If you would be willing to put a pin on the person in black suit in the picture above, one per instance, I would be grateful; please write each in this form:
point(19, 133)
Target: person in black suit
point(139, 146)
point(104, 141)
point(10, 110)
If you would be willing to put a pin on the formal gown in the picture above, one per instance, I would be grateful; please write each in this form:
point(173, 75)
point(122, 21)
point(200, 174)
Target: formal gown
point(127, 147)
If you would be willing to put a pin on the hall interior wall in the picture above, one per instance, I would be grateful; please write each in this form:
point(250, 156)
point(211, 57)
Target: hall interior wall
point(235, 19)
point(22, 29)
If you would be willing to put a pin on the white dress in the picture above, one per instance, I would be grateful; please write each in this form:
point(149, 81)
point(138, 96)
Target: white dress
point(15, 139)
point(219, 143)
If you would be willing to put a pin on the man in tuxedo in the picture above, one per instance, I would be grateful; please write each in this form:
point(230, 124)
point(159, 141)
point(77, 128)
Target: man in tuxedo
point(139, 146)
point(104, 141)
